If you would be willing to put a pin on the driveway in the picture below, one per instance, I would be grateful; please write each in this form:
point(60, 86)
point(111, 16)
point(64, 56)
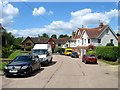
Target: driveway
point(67, 72)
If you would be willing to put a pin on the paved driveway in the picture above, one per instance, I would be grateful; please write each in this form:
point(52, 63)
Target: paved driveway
point(67, 72)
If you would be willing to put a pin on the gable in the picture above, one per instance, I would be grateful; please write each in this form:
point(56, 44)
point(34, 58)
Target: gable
point(108, 31)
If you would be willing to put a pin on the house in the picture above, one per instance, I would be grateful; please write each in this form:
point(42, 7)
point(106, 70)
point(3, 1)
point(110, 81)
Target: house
point(31, 41)
point(62, 42)
point(98, 36)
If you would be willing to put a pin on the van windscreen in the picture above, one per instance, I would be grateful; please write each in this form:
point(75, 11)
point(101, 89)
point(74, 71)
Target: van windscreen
point(40, 51)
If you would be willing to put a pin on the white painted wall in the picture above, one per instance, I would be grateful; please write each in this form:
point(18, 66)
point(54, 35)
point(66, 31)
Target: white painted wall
point(78, 42)
point(85, 39)
point(106, 37)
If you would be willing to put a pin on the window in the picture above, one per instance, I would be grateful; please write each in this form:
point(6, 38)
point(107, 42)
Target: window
point(28, 44)
point(111, 40)
point(85, 40)
point(107, 31)
point(99, 40)
point(88, 40)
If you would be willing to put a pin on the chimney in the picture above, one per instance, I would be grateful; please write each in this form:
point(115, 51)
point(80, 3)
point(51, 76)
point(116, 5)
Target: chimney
point(101, 24)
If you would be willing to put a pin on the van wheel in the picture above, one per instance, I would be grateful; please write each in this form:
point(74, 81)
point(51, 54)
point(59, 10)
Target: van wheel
point(47, 62)
point(51, 60)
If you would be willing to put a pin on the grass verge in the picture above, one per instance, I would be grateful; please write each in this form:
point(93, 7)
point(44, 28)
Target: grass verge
point(17, 53)
point(109, 62)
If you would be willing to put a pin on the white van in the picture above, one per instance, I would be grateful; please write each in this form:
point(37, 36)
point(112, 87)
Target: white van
point(44, 52)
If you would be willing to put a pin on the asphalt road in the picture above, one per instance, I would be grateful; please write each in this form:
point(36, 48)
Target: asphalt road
point(67, 72)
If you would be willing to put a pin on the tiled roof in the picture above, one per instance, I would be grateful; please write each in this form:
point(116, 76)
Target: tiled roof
point(61, 40)
point(40, 40)
point(91, 32)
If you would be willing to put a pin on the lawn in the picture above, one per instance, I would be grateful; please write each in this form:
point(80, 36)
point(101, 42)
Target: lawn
point(17, 53)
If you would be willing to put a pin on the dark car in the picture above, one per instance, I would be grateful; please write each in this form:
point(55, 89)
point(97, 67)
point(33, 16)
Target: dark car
point(74, 55)
point(22, 65)
point(89, 59)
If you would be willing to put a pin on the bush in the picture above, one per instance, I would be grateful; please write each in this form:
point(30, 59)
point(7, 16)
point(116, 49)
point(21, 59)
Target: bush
point(109, 53)
point(59, 50)
point(91, 52)
point(110, 44)
point(29, 48)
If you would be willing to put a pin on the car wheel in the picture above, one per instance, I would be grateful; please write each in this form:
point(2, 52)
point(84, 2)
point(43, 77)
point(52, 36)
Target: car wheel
point(39, 67)
point(29, 72)
point(51, 60)
point(82, 60)
point(47, 62)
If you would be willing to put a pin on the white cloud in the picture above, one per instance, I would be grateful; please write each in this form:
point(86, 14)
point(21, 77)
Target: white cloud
point(39, 11)
point(8, 13)
point(78, 18)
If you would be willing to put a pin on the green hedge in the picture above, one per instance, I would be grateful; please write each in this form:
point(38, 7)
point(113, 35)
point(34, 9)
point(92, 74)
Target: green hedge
point(60, 50)
point(109, 53)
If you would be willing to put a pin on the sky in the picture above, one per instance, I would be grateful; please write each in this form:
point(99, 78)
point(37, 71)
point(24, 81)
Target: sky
point(35, 18)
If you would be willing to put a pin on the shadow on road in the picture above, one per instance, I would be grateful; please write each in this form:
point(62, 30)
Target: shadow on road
point(50, 64)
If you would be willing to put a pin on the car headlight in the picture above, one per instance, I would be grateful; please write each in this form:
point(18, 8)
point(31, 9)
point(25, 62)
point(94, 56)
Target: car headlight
point(24, 67)
point(6, 67)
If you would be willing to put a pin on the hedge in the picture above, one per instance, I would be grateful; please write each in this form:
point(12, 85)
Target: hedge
point(60, 50)
point(109, 53)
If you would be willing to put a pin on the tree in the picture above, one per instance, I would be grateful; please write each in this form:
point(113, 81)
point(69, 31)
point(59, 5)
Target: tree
point(118, 34)
point(44, 35)
point(63, 36)
point(54, 36)
point(110, 44)
point(17, 42)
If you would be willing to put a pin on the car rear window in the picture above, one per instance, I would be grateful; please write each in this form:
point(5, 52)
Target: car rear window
point(92, 56)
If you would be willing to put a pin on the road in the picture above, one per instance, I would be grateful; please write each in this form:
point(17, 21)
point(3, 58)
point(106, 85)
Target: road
point(67, 72)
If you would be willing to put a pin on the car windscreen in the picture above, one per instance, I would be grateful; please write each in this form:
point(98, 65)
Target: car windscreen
point(40, 51)
point(69, 51)
point(23, 58)
point(74, 53)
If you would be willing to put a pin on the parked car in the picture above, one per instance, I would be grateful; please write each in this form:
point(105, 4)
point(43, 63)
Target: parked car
point(44, 52)
point(22, 65)
point(68, 51)
point(89, 59)
point(74, 55)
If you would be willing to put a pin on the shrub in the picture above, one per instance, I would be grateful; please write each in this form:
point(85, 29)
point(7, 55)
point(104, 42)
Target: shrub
point(90, 52)
point(109, 53)
point(60, 50)
point(110, 44)
point(29, 48)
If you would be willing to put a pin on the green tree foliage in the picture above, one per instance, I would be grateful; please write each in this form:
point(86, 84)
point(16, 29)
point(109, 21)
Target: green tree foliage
point(17, 42)
point(54, 36)
point(7, 39)
point(110, 44)
point(44, 35)
point(63, 36)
